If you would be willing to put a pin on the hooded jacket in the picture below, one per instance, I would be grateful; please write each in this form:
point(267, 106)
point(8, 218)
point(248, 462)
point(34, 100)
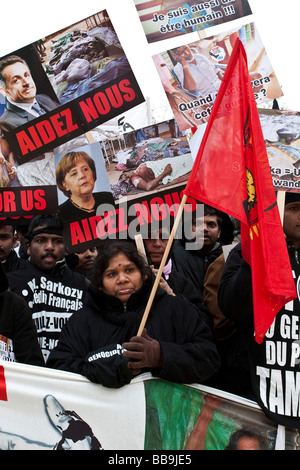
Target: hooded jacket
point(189, 352)
point(18, 337)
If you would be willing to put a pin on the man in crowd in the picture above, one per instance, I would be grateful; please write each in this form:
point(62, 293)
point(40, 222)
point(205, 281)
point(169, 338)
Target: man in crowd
point(22, 240)
point(83, 261)
point(192, 257)
point(267, 372)
point(18, 337)
point(172, 281)
point(8, 257)
point(51, 289)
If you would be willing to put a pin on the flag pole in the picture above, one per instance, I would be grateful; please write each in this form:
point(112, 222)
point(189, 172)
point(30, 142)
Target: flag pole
point(162, 265)
point(140, 245)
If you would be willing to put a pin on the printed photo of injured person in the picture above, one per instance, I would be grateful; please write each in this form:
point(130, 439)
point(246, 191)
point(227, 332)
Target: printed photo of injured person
point(154, 159)
point(82, 58)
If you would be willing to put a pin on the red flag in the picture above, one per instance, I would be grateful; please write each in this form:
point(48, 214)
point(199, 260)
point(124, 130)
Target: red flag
point(232, 173)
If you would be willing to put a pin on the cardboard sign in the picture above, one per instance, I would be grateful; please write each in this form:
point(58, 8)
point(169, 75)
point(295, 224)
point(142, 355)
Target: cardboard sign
point(81, 78)
point(165, 19)
point(191, 74)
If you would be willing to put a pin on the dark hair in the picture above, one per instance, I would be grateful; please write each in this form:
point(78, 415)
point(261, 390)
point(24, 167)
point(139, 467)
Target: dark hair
point(112, 248)
point(9, 60)
point(247, 433)
point(49, 222)
point(5, 224)
point(209, 210)
point(131, 163)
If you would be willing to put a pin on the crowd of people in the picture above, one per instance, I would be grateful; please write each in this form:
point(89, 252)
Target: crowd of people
point(86, 303)
point(81, 312)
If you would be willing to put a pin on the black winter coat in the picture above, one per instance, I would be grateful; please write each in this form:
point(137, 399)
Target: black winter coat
point(273, 365)
point(189, 351)
point(16, 325)
point(193, 263)
point(52, 298)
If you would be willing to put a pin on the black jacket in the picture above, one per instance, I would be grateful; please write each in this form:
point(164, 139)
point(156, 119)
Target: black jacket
point(13, 263)
point(16, 326)
point(193, 263)
point(52, 298)
point(273, 365)
point(69, 213)
point(189, 351)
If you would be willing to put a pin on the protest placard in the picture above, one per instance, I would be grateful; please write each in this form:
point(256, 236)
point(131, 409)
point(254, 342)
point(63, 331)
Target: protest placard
point(80, 78)
point(138, 184)
point(165, 19)
point(191, 74)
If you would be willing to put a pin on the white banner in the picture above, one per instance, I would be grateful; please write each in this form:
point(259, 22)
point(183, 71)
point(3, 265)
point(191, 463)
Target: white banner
point(42, 402)
point(45, 409)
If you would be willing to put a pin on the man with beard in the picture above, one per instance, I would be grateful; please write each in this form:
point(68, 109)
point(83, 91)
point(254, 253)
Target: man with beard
point(196, 73)
point(51, 289)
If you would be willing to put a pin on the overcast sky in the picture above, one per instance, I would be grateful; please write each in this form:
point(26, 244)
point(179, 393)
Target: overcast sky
point(278, 24)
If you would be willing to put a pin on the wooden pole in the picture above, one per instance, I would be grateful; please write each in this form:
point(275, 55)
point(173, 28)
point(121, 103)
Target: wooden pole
point(162, 265)
point(140, 245)
point(90, 137)
point(281, 204)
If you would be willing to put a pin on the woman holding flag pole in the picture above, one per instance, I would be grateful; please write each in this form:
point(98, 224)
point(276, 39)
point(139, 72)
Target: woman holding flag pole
point(110, 344)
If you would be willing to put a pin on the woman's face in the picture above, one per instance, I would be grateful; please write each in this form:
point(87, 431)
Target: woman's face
point(79, 180)
point(121, 278)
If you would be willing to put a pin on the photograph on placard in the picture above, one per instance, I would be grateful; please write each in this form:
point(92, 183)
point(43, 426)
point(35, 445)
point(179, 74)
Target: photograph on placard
point(281, 130)
point(165, 19)
point(83, 57)
point(192, 74)
point(82, 182)
point(281, 133)
point(153, 159)
point(64, 85)
point(26, 188)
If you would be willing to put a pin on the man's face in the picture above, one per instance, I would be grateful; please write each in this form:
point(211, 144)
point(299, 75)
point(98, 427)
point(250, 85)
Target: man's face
point(185, 52)
point(7, 241)
point(291, 222)
point(207, 231)
point(20, 87)
point(46, 250)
